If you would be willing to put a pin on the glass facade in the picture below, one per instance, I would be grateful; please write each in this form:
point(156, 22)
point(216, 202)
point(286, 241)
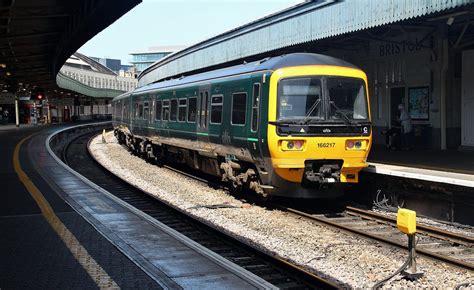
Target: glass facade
point(147, 57)
point(143, 60)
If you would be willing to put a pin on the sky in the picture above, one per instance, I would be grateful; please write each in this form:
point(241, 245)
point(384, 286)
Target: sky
point(178, 22)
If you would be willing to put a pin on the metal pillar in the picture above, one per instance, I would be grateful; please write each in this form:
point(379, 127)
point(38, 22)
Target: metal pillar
point(17, 112)
point(411, 273)
point(49, 113)
point(442, 109)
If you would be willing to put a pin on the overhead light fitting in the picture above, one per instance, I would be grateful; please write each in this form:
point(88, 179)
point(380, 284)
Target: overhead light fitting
point(450, 21)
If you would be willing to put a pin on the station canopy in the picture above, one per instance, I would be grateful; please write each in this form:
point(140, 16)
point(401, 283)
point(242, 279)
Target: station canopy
point(308, 22)
point(37, 37)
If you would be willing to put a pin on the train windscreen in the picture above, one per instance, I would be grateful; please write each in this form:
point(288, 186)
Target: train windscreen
point(347, 98)
point(300, 98)
point(308, 100)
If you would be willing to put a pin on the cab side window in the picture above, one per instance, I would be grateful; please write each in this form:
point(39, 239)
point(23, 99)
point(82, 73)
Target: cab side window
point(255, 105)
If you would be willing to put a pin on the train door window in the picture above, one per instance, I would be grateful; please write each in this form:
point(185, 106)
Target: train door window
point(174, 109)
point(146, 110)
point(158, 108)
point(182, 110)
point(200, 113)
point(166, 110)
point(239, 100)
point(206, 109)
point(192, 106)
point(255, 105)
point(216, 109)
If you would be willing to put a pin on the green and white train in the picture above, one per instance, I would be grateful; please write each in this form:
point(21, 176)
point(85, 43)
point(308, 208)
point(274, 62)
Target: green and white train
point(296, 125)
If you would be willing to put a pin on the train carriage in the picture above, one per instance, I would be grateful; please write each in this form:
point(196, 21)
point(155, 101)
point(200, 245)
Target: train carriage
point(296, 125)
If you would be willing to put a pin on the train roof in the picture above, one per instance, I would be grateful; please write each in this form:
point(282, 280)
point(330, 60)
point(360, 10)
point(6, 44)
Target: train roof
point(266, 64)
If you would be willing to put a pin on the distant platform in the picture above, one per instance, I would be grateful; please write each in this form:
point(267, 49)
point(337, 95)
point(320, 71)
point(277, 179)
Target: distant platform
point(444, 166)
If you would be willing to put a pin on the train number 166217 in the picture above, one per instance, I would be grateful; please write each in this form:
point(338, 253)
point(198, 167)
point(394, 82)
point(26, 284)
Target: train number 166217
point(326, 145)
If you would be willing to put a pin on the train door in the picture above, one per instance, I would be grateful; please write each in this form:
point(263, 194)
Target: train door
point(203, 116)
point(253, 135)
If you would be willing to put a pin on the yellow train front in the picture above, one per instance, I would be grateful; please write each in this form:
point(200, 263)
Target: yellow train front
point(319, 129)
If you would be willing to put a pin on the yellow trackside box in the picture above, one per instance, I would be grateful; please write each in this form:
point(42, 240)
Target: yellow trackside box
point(406, 221)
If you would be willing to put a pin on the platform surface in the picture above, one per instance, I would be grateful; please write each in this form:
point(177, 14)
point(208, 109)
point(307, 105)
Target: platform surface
point(35, 254)
point(444, 166)
point(32, 254)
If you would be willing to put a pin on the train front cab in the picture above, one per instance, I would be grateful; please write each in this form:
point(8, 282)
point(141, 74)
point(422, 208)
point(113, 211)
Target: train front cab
point(319, 132)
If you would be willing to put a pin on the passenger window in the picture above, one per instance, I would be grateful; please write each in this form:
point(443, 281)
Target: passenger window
point(255, 104)
point(216, 109)
point(166, 110)
point(182, 110)
point(146, 112)
point(136, 110)
point(125, 110)
point(192, 105)
point(158, 110)
point(140, 110)
point(174, 109)
point(239, 101)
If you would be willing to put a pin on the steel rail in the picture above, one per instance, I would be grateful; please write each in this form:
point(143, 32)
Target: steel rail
point(349, 229)
point(425, 229)
point(294, 267)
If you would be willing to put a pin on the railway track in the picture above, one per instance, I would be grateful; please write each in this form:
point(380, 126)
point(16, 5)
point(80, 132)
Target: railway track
point(274, 270)
point(432, 242)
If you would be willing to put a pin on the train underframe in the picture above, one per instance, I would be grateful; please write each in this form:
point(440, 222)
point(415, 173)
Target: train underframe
point(239, 175)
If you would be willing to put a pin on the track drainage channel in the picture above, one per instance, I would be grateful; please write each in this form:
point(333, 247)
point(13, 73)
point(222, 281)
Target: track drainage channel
point(275, 271)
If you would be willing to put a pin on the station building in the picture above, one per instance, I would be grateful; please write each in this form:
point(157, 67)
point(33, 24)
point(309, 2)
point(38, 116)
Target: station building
point(416, 53)
point(144, 58)
point(86, 88)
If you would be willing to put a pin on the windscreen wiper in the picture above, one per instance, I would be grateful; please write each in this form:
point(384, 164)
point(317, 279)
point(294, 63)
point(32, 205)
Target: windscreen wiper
point(339, 111)
point(311, 110)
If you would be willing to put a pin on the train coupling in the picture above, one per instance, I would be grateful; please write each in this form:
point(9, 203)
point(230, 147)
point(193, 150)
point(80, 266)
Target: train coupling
point(323, 171)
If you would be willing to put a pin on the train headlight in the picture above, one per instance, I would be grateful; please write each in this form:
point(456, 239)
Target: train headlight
point(292, 145)
point(298, 144)
point(356, 144)
point(349, 144)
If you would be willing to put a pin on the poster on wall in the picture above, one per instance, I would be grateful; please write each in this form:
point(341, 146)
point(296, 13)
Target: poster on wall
point(418, 103)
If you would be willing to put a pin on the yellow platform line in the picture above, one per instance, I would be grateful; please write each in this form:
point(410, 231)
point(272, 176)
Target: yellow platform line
point(95, 271)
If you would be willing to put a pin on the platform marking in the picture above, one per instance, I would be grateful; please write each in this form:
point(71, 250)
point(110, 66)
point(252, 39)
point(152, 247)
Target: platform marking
point(95, 271)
